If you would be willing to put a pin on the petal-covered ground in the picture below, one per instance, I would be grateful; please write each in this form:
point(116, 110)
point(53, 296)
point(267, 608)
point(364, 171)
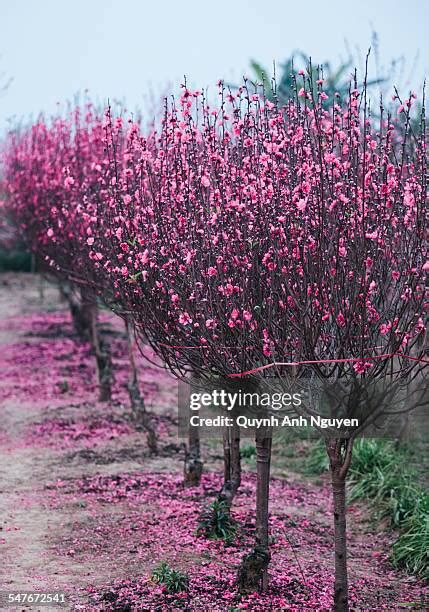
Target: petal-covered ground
point(85, 508)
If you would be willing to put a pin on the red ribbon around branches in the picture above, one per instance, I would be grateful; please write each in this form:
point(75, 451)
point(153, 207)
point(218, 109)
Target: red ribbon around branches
point(301, 363)
point(349, 360)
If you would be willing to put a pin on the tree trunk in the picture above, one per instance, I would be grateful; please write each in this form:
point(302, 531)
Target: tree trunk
point(340, 535)
point(136, 399)
point(100, 348)
point(193, 464)
point(340, 454)
point(232, 464)
point(80, 310)
point(253, 571)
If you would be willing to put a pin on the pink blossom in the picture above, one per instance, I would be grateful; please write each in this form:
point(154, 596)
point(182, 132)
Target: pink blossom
point(301, 205)
point(184, 318)
point(362, 366)
point(341, 319)
point(385, 328)
point(234, 314)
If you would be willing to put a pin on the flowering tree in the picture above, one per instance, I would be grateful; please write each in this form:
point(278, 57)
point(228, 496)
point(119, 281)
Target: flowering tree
point(266, 236)
point(39, 163)
point(249, 237)
point(57, 177)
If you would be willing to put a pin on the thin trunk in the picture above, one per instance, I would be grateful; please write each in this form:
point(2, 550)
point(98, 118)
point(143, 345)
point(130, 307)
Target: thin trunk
point(85, 314)
point(193, 464)
point(137, 402)
point(340, 535)
point(235, 458)
point(404, 432)
point(41, 287)
point(232, 464)
point(80, 310)
point(340, 455)
point(253, 572)
point(101, 350)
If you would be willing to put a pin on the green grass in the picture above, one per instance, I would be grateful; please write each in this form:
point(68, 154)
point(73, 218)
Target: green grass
point(389, 480)
point(317, 460)
point(383, 475)
point(411, 549)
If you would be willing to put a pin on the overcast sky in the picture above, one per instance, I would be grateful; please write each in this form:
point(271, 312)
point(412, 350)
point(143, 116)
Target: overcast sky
point(125, 48)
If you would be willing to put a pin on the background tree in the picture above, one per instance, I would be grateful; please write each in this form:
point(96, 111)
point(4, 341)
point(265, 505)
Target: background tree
point(55, 180)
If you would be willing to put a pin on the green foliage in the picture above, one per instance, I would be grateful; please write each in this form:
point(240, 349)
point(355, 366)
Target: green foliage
point(248, 451)
point(379, 473)
point(216, 524)
point(382, 475)
point(411, 549)
point(336, 79)
point(174, 580)
point(369, 454)
point(317, 461)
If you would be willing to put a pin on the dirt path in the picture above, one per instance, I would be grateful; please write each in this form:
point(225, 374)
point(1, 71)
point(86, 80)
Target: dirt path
point(28, 529)
point(85, 509)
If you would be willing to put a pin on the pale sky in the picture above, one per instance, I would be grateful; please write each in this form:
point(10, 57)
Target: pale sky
point(122, 49)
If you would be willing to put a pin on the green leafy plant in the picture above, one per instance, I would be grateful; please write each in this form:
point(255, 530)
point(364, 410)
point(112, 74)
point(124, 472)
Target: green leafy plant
point(175, 581)
point(336, 78)
point(216, 524)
